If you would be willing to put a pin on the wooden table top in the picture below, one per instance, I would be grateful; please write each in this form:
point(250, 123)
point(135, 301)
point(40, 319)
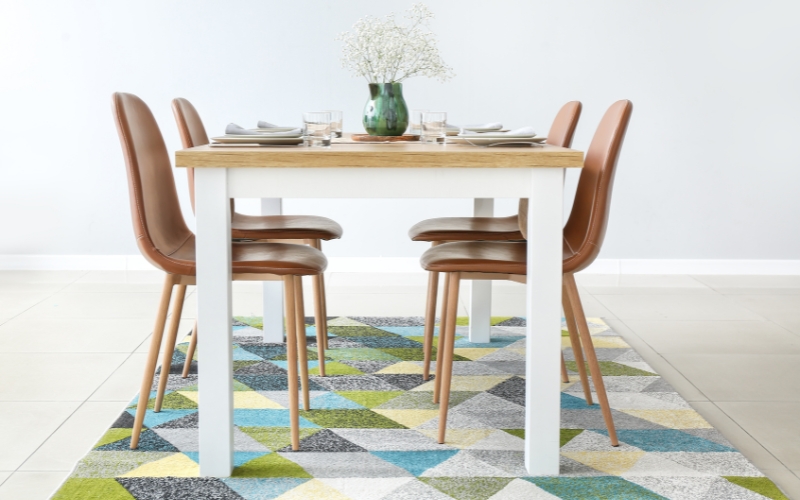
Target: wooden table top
point(347, 154)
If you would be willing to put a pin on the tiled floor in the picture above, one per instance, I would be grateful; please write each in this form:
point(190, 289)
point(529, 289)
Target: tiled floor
point(73, 343)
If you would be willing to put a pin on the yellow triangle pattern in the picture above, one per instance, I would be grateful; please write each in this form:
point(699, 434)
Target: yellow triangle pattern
point(193, 395)
point(672, 419)
point(241, 399)
point(409, 418)
point(313, 490)
point(405, 367)
point(177, 465)
point(609, 343)
point(468, 383)
point(459, 438)
point(473, 353)
point(610, 462)
point(254, 400)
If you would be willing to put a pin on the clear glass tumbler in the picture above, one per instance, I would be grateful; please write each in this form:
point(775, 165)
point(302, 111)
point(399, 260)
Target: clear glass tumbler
point(317, 129)
point(434, 126)
point(336, 122)
point(415, 121)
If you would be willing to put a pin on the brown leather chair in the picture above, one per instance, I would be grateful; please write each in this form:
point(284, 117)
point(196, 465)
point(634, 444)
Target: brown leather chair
point(445, 229)
point(583, 237)
point(168, 244)
point(306, 229)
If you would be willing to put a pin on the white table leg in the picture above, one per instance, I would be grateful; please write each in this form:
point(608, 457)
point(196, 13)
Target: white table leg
point(273, 290)
point(214, 320)
point(542, 392)
point(480, 301)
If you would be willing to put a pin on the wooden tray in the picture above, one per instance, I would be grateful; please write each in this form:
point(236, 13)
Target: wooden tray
point(384, 138)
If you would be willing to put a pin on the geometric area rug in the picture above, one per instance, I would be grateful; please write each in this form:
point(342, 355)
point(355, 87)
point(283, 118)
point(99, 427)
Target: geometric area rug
point(371, 431)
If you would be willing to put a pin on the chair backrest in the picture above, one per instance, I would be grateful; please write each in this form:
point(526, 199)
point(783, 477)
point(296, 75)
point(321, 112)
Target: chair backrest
point(157, 220)
point(561, 133)
point(566, 121)
point(586, 226)
point(192, 133)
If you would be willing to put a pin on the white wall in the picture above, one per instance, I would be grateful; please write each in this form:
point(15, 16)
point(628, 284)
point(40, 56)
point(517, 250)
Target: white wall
point(708, 170)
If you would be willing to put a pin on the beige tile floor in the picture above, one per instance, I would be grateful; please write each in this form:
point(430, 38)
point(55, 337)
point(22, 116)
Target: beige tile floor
point(73, 343)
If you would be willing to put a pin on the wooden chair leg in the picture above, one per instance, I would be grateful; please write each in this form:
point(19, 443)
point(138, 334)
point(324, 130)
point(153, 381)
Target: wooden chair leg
point(430, 323)
point(152, 359)
point(446, 348)
point(291, 360)
point(564, 373)
point(187, 365)
point(169, 345)
point(437, 381)
point(320, 309)
point(324, 296)
point(591, 357)
point(320, 321)
point(575, 341)
point(302, 348)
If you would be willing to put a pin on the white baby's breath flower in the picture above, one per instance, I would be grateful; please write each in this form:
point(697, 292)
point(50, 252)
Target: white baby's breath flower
point(383, 51)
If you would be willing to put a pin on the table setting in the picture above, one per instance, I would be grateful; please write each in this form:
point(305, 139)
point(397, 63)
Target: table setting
point(385, 54)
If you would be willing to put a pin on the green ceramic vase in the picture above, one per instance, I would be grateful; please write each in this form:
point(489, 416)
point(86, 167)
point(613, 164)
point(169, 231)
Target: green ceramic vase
point(386, 112)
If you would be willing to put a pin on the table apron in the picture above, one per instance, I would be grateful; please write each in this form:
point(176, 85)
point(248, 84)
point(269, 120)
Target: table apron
point(380, 182)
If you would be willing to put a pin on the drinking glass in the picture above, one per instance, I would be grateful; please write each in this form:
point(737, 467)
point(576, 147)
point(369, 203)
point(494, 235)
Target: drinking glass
point(415, 121)
point(317, 129)
point(434, 126)
point(336, 122)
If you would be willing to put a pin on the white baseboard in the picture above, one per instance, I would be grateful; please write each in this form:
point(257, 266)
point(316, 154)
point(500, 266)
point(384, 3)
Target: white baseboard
point(411, 264)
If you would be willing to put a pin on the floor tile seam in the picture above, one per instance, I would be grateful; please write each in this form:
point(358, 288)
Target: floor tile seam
point(109, 292)
point(66, 352)
point(97, 388)
point(744, 306)
point(726, 298)
point(759, 354)
point(42, 401)
point(644, 356)
point(755, 401)
point(750, 436)
point(45, 440)
point(66, 471)
point(796, 334)
point(44, 299)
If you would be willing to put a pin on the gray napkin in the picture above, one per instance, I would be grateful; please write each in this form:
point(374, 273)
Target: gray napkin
point(233, 129)
point(267, 125)
point(524, 132)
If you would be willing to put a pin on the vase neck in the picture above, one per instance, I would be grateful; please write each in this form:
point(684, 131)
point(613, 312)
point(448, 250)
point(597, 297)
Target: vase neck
point(386, 89)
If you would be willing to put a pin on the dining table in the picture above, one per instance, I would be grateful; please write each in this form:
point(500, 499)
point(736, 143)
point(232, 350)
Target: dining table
point(412, 170)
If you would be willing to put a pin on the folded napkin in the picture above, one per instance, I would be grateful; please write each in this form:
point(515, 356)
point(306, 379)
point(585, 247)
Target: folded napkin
point(487, 126)
point(453, 127)
point(233, 129)
point(266, 125)
point(523, 132)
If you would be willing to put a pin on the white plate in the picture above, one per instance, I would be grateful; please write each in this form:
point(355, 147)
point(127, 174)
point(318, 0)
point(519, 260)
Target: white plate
point(276, 129)
point(498, 135)
point(257, 139)
point(483, 129)
point(480, 140)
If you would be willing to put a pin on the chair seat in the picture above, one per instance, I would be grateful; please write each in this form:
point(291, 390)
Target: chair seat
point(480, 257)
point(467, 229)
point(284, 227)
point(253, 258)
